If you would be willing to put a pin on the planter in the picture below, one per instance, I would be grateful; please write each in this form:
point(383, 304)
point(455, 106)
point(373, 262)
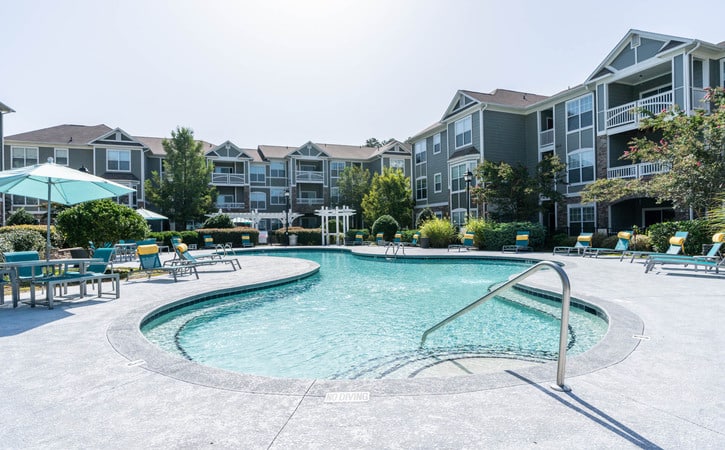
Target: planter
point(292, 239)
point(424, 242)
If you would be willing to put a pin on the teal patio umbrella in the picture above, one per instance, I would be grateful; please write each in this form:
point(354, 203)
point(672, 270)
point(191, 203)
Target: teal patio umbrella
point(59, 184)
point(150, 215)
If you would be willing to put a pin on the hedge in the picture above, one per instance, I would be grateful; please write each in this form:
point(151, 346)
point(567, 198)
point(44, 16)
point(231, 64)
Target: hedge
point(305, 236)
point(493, 236)
point(222, 235)
point(699, 231)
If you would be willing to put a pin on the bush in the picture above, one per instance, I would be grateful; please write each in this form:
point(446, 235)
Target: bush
point(56, 239)
point(699, 233)
point(100, 221)
point(165, 236)
point(22, 217)
point(22, 240)
point(219, 221)
point(350, 235)
point(387, 225)
point(223, 235)
point(562, 240)
point(641, 243)
point(440, 232)
point(305, 236)
point(496, 235)
point(332, 226)
point(407, 235)
point(476, 226)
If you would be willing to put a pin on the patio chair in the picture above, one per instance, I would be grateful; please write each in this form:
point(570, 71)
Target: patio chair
point(22, 274)
point(208, 241)
point(96, 272)
point(677, 245)
point(359, 239)
point(623, 240)
point(177, 254)
point(415, 239)
point(246, 240)
point(184, 255)
point(380, 239)
point(522, 243)
point(466, 242)
point(149, 262)
point(712, 259)
point(583, 241)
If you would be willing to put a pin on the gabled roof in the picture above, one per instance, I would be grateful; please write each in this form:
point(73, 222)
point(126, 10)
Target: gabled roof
point(116, 137)
point(394, 147)
point(63, 135)
point(229, 151)
point(155, 145)
point(334, 151)
point(5, 108)
point(505, 97)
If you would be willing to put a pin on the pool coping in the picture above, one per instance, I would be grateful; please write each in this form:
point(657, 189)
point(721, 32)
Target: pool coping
point(124, 335)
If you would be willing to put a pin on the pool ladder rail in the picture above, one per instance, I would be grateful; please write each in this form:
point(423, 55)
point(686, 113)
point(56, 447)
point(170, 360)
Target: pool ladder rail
point(565, 302)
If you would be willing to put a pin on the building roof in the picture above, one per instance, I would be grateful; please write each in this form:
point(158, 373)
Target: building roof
point(335, 151)
point(63, 134)
point(507, 97)
point(5, 108)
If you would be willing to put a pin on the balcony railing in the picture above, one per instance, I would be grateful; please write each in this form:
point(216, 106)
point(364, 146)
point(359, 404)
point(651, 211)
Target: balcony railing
point(637, 170)
point(310, 176)
point(310, 201)
point(546, 137)
point(230, 205)
point(227, 178)
point(628, 114)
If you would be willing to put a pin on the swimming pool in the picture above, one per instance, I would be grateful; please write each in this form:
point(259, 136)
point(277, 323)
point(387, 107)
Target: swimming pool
point(363, 318)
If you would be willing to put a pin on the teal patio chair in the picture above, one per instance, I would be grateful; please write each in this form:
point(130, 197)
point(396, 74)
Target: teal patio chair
point(623, 240)
point(208, 241)
point(677, 246)
point(522, 243)
point(466, 242)
point(149, 262)
point(583, 241)
point(96, 272)
point(712, 259)
point(247, 240)
point(184, 255)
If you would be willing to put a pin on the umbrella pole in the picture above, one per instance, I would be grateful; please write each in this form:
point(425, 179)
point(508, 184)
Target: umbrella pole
point(47, 245)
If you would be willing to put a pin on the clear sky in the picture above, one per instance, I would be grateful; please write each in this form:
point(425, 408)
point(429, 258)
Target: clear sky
point(290, 71)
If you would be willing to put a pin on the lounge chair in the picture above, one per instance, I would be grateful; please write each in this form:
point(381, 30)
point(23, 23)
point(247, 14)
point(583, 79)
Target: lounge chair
point(415, 239)
point(148, 256)
point(208, 241)
point(583, 241)
point(522, 243)
point(623, 240)
point(359, 239)
point(380, 239)
point(246, 241)
point(198, 255)
point(466, 242)
point(712, 259)
point(677, 245)
point(184, 255)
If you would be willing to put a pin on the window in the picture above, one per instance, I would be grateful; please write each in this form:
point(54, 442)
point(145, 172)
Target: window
point(458, 184)
point(397, 164)
point(580, 166)
point(335, 195)
point(220, 169)
point(436, 144)
point(458, 217)
point(118, 160)
point(419, 148)
point(61, 156)
point(336, 168)
point(277, 170)
point(437, 183)
point(19, 200)
point(257, 173)
point(276, 197)
point(224, 200)
point(579, 113)
point(258, 200)
point(421, 188)
point(581, 219)
point(464, 132)
point(24, 156)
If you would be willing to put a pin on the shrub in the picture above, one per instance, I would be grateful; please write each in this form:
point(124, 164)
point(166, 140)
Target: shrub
point(407, 235)
point(641, 243)
point(386, 225)
point(100, 221)
point(476, 226)
point(223, 235)
point(562, 240)
point(351, 233)
point(305, 236)
point(22, 240)
point(497, 235)
point(440, 232)
point(332, 226)
point(699, 233)
point(219, 221)
point(56, 239)
point(22, 217)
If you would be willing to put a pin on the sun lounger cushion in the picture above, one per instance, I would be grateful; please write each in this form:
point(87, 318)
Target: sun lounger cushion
point(587, 239)
point(677, 241)
point(182, 248)
point(718, 237)
point(624, 235)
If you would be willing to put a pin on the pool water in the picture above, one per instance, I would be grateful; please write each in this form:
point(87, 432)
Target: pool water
point(363, 318)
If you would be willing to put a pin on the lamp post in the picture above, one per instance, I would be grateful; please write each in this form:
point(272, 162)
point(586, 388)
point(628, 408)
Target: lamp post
point(286, 217)
point(468, 177)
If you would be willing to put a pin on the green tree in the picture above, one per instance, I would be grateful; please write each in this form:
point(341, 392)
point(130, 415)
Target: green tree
point(184, 192)
point(353, 184)
point(691, 146)
point(390, 193)
point(374, 142)
point(219, 221)
point(100, 221)
point(22, 217)
point(513, 192)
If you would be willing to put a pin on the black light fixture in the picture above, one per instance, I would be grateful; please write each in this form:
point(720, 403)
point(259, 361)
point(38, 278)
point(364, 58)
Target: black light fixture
point(468, 177)
point(286, 217)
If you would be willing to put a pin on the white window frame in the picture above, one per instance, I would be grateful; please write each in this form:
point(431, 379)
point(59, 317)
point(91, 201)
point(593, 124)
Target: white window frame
point(338, 171)
point(420, 149)
point(458, 216)
point(253, 202)
point(436, 143)
point(56, 158)
point(276, 196)
point(467, 165)
point(118, 160)
point(577, 102)
point(580, 207)
point(578, 153)
point(722, 72)
point(424, 181)
point(255, 177)
point(275, 172)
point(464, 128)
point(25, 158)
point(437, 183)
point(397, 163)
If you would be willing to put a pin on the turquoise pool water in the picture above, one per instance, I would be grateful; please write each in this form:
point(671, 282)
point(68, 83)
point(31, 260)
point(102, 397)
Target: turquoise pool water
point(364, 317)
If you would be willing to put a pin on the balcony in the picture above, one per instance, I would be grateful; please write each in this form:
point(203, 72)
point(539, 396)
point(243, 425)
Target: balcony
point(227, 179)
point(637, 170)
point(310, 201)
point(628, 115)
point(310, 176)
point(546, 138)
point(230, 205)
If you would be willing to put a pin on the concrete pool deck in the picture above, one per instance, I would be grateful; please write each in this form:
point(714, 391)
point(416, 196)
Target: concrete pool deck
point(72, 378)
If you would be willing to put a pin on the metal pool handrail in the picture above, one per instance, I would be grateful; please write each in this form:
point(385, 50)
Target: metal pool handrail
point(565, 301)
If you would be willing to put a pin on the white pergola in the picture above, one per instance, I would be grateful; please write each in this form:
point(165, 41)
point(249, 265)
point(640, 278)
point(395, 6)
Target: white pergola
point(326, 214)
point(255, 217)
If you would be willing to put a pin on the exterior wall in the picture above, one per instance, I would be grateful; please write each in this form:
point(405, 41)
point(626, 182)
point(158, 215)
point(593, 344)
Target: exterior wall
point(504, 137)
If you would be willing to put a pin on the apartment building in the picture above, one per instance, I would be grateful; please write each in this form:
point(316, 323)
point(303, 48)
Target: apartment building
point(587, 126)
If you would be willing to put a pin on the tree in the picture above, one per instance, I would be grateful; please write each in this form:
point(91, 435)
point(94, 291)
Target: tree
point(390, 193)
point(100, 221)
point(373, 142)
point(219, 221)
point(691, 146)
point(514, 193)
point(353, 184)
point(22, 217)
point(184, 192)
